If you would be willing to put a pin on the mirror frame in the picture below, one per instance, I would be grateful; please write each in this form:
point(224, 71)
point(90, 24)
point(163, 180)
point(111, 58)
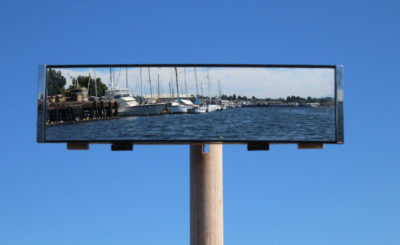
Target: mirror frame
point(338, 93)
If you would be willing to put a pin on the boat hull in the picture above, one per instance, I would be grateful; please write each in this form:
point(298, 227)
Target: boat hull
point(178, 109)
point(143, 110)
point(197, 110)
point(211, 108)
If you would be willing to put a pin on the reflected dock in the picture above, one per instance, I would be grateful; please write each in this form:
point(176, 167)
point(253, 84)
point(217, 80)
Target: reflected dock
point(71, 111)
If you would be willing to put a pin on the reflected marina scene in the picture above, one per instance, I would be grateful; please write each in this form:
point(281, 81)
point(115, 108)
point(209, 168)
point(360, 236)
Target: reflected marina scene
point(190, 104)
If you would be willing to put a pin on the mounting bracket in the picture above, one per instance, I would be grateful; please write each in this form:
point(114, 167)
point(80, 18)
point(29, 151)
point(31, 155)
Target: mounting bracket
point(122, 147)
point(258, 146)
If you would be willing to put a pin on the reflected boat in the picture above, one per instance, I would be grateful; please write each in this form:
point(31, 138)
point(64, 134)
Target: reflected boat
point(144, 110)
point(198, 110)
point(211, 108)
point(176, 108)
point(180, 106)
point(128, 106)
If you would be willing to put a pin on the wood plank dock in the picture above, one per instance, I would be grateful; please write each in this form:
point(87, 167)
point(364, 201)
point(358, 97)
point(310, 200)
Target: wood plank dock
point(71, 111)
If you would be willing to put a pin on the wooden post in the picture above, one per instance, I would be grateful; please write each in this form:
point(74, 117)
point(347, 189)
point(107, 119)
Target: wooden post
point(206, 199)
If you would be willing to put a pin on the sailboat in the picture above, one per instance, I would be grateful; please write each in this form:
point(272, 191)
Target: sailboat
point(197, 108)
point(211, 107)
point(179, 105)
point(128, 106)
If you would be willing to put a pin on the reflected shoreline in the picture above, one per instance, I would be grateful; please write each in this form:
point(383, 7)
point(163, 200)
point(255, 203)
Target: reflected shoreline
point(116, 116)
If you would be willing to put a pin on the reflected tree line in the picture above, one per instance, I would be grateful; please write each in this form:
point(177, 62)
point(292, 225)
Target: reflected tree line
point(56, 83)
point(288, 99)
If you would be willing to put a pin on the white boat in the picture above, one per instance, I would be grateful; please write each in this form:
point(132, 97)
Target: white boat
point(211, 108)
point(180, 106)
point(198, 110)
point(177, 108)
point(145, 110)
point(128, 106)
point(123, 97)
point(186, 102)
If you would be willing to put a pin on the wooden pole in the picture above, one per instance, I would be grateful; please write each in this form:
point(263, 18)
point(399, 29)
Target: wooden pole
point(206, 199)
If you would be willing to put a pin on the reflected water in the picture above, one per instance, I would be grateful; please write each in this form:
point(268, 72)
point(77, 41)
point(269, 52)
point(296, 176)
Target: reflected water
point(239, 124)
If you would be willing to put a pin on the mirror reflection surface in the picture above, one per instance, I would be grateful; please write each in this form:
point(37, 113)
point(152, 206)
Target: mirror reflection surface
point(188, 104)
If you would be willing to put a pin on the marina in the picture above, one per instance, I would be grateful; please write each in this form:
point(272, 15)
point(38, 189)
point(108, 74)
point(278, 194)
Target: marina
point(128, 106)
point(122, 104)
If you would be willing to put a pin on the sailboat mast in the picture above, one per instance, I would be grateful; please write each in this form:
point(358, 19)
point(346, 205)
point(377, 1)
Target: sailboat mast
point(113, 79)
point(219, 85)
point(201, 88)
point(197, 85)
point(95, 81)
point(151, 91)
point(88, 85)
point(111, 82)
point(170, 91)
point(184, 72)
point(158, 85)
point(126, 73)
point(141, 83)
point(209, 91)
point(177, 87)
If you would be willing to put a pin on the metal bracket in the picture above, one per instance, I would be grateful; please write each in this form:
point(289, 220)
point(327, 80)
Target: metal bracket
point(77, 145)
point(122, 147)
point(310, 145)
point(258, 146)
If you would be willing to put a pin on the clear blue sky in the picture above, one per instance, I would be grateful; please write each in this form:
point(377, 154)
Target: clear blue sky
point(344, 194)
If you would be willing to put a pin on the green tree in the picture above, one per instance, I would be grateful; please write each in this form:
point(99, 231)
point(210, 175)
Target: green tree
point(90, 84)
point(55, 82)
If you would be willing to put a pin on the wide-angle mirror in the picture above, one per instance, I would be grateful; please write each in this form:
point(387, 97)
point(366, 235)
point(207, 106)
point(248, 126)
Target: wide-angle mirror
point(190, 103)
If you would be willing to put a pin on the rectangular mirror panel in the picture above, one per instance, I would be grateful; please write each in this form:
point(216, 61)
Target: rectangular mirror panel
point(192, 103)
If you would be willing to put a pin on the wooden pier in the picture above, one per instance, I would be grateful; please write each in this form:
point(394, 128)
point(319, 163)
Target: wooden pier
point(71, 111)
